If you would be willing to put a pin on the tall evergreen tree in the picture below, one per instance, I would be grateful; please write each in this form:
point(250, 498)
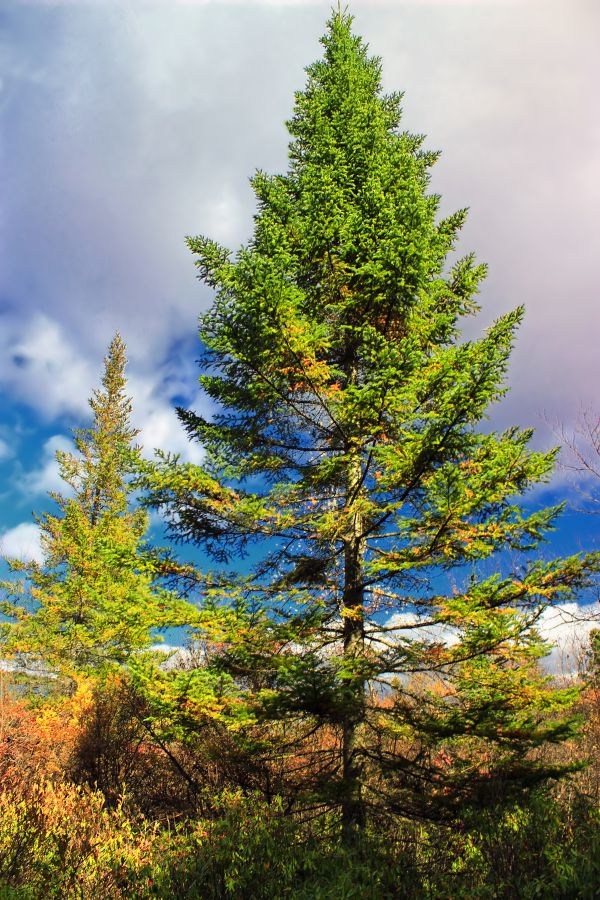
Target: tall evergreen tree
point(91, 603)
point(345, 447)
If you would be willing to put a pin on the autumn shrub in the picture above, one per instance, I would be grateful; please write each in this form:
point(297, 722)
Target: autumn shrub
point(35, 740)
point(113, 753)
point(58, 840)
point(62, 841)
point(588, 745)
point(121, 749)
point(144, 834)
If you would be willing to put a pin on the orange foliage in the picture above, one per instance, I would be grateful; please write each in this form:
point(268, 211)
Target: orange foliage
point(32, 741)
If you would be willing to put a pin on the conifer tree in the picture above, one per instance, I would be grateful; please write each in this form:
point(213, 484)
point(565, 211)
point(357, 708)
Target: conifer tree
point(345, 455)
point(91, 603)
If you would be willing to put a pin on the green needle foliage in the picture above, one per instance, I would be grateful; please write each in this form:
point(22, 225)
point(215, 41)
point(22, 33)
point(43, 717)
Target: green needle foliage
point(91, 603)
point(344, 455)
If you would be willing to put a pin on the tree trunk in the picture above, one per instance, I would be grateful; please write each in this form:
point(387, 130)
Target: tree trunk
point(353, 813)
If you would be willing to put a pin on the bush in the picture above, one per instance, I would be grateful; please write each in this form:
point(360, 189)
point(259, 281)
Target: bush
point(527, 851)
point(60, 841)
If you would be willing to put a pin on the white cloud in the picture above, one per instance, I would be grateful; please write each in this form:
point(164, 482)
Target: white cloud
point(154, 415)
point(46, 477)
point(43, 368)
point(159, 428)
point(278, 4)
point(22, 542)
point(434, 633)
point(40, 366)
point(566, 627)
point(6, 451)
point(197, 101)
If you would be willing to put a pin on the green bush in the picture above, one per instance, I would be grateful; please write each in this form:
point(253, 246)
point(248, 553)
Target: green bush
point(58, 841)
point(537, 850)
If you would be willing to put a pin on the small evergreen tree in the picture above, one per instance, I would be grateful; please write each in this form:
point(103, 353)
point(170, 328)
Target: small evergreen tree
point(91, 603)
point(344, 447)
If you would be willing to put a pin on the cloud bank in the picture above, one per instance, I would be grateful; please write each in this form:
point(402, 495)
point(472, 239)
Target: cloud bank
point(22, 542)
point(566, 627)
point(126, 126)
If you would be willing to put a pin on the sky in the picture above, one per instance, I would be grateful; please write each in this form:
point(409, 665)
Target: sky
point(125, 126)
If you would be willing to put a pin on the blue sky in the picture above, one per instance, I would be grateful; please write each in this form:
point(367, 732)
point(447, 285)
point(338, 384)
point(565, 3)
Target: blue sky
point(124, 127)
